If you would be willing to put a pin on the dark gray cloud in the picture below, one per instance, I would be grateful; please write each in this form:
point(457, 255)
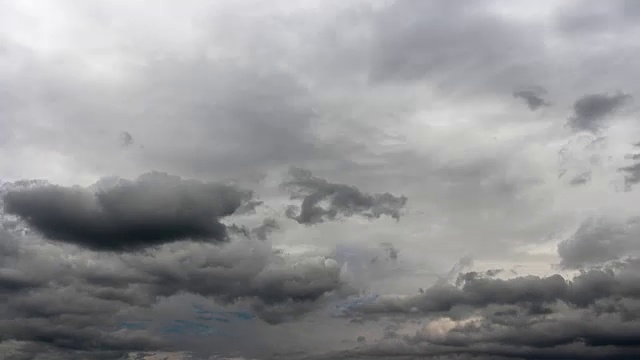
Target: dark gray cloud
point(592, 316)
point(592, 109)
point(243, 273)
point(70, 338)
point(344, 200)
point(532, 96)
point(477, 291)
point(60, 303)
point(591, 337)
point(154, 209)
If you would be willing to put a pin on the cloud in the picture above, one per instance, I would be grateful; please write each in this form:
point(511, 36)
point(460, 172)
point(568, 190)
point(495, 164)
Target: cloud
point(581, 179)
point(592, 109)
point(342, 200)
point(533, 97)
point(597, 241)
point(60, 297)
point(126, 139)
point(155, 208)
point(476, 292)
point(632, 172)
point(266, 228)
point(591, 316)
point(533, 293)
point(419, 40)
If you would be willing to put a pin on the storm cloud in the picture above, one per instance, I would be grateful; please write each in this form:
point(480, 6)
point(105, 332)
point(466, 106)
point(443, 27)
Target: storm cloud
point(61, 304)
point(155, 208)
point(524, 318)
point(531, 292)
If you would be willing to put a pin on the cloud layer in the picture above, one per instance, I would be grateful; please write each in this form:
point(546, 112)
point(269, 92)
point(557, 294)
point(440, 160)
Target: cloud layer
point(320, 179)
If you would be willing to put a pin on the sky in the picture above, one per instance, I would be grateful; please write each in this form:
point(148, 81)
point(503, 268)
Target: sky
point(308, 180)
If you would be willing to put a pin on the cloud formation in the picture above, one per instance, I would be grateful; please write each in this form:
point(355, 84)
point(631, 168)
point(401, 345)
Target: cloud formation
point(591, 316)
point(591, 110)
point(533, 97)
point(155, 208)
point(126, 139)
point(341, 199)
point(598, 241)
point(631, 172)
point(64, 304)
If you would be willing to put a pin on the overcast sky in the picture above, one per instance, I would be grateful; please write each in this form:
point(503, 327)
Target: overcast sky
point(321, 179)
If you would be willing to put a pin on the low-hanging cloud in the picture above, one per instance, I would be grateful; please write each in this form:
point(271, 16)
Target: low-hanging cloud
point(592, 316)
point(345, 200)
point(478, 291)
point(60, 303)
point(155, 208)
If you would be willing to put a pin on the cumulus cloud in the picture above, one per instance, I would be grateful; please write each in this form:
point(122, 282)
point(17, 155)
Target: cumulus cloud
point(342, 200)
point(155, 208)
